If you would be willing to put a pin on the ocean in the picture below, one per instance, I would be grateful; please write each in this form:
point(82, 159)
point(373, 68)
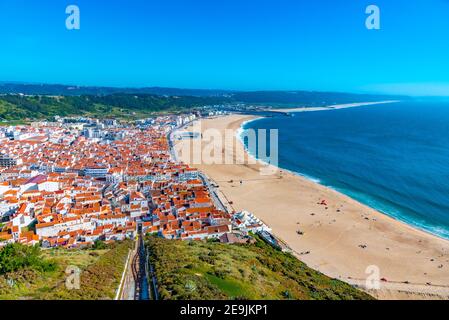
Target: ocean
point(392, 157)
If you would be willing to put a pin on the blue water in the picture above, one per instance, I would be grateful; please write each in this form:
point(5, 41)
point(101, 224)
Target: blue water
point(394, 158)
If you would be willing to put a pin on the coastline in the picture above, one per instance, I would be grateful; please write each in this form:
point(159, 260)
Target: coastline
point(319, 181)
point(341, 240)
point(335, 107)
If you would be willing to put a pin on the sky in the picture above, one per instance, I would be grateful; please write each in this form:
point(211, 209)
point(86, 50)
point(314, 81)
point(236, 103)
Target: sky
point(320, 45)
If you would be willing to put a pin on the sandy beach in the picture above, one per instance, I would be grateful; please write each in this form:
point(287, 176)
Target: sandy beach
point(334, 107)
point(342, 238)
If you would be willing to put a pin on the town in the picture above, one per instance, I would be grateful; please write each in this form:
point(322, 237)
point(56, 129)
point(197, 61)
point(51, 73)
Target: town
point(74, 181)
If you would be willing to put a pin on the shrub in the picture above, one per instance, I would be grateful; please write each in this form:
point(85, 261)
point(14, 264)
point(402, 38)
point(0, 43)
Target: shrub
point(99, 245)
point(15, 257)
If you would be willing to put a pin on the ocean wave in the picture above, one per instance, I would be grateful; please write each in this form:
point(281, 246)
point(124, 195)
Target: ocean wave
point(391, 210)
point(394, 212)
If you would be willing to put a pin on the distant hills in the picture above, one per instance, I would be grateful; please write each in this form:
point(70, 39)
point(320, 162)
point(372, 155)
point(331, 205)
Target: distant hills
point(67, 90)
point(282, 97)
point(21, 101)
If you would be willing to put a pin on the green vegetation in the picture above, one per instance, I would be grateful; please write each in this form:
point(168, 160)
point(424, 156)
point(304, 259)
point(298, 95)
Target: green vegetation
point(47, 101)
point(122, 106)
point(207, 270)
point(41, 276)
point(15, 257)
point(99, 245)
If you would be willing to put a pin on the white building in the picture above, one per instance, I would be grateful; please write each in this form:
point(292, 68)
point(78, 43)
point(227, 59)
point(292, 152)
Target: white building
point(247, 222)
point(52, 229)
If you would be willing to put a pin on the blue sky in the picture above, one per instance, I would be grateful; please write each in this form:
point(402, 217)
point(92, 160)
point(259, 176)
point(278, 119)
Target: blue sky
point(230, 44)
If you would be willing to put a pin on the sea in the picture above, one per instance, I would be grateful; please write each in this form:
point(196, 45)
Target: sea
point(391, 157)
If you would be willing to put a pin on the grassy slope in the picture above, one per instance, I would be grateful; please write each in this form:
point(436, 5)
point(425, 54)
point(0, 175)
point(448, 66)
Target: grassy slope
point(200, 270)
point(101, 273)
point(122, 106)
point(12, 113)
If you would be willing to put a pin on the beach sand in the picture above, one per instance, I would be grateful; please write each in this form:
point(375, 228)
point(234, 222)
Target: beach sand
point(334, 107)
point(341, 239)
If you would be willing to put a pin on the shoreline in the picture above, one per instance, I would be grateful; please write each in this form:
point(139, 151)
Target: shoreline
point(341, 240)
point(334, 107)
point(318, 181)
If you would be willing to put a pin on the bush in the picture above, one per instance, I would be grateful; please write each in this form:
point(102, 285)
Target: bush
point(15, 257)
point(99, 245)
point(206, 258)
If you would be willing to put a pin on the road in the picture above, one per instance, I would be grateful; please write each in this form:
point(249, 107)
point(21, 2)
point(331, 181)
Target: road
point(212, 191)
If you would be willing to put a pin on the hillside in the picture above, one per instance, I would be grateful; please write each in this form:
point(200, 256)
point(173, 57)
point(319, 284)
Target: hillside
point(211, 270)
point(125, 106)
point(29, 273)
point(42, 101)
point(69, 90)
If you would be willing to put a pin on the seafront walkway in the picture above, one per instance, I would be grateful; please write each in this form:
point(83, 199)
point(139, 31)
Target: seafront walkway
point(134, 284)
point(127, 288)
